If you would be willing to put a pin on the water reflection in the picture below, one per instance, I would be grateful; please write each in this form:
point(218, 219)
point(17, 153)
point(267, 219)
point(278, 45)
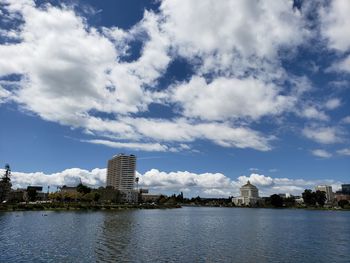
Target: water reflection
point(176, 235)
point(115, 237)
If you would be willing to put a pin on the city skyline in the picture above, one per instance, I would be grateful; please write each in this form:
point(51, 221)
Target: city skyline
point(206, 100)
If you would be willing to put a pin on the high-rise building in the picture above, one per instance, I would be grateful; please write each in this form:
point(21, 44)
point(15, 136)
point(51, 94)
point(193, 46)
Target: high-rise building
point(327, 189)
point(121, 172)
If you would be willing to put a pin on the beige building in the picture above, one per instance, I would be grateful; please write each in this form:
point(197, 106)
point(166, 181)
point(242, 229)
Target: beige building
point(327, 189)
point(121, 171)
point(249, 195)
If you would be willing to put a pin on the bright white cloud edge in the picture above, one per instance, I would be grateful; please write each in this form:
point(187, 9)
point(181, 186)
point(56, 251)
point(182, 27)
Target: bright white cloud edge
point(192, 184)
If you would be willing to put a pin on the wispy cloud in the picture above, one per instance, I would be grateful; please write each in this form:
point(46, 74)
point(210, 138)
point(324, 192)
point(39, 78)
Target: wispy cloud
point(321, 153)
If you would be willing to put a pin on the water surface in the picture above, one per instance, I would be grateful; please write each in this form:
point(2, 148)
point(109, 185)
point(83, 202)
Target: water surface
point(176, 235)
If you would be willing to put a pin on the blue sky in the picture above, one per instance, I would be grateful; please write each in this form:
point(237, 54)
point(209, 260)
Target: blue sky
point(206, 94)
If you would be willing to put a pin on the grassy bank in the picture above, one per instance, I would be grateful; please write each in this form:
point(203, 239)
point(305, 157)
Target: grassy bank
point(80, 206)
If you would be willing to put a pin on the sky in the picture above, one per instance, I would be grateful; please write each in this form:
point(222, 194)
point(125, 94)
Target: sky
point(207, 94)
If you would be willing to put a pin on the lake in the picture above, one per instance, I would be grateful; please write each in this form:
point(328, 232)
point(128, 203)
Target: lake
point(189, 234)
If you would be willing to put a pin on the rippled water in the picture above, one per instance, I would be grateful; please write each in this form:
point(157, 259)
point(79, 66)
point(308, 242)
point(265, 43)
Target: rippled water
point(176, 235)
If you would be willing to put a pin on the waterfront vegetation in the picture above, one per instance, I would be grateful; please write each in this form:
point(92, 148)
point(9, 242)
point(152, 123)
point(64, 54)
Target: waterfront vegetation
point(86, 198)
point(79, 206)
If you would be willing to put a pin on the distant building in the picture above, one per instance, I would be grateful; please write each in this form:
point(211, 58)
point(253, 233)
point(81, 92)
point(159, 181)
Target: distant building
point(344, 194)
point(249, 195)
point(327, 189)
point(146, 197)
point(345, 188)
point(129, 196)
point(68, 189)
point(121, 171)
point(18, 195)
point(37, 193)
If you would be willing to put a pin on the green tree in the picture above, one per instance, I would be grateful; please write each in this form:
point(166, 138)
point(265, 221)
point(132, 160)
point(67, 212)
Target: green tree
point(309, 197)
point(289, 201)
point(81, 188)
point(276, 200)
point(320, 197)
point(32, 194)
point(180, 197)
point(343, 203)
point(97, 196)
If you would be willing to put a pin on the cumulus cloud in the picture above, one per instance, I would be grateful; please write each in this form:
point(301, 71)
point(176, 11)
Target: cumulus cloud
point(256, 179)
point(227, 35)
point(312, 112)
point(198, 183)
point(230, 98)
point(335, 24)
point(321, 153)
point(74, 73)
point(192, 184)
point(70, 177)
point(86, 75)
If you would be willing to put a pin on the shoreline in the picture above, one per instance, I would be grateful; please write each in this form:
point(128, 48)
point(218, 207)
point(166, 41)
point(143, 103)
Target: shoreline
point(119, 207)
point(79, 207)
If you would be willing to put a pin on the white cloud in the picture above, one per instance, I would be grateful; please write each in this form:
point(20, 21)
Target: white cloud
point(4, 95)
point(333, 103)
point(230, 98)
point(314, 113)
point(71, 72)
point(70, 177)
point(224, 33)
point(192, 184)
point(345, 151)
point(335, 27)
point(206, 183)
point(181, 130)
point(256, 179)
point(133, 146)
point(335, 24)
point(346, 120)
point(342, 65)
point(321, 153)
point(323, 134)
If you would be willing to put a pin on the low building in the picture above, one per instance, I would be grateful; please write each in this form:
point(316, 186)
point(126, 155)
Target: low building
point(344, 194)
point(249, 196)
point(147, 198)
point(109, 194)
point(18, 195)
point(129, 196)
point(68, 189)
point(36, 193)
point(345, 188)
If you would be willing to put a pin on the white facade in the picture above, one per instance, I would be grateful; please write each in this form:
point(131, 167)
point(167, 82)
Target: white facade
point(249, 195)
point(121, 172)
point(129, 196)
point(328, 190)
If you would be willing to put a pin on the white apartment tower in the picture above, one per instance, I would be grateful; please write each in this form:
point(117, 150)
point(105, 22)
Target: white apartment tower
point(121, 172)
